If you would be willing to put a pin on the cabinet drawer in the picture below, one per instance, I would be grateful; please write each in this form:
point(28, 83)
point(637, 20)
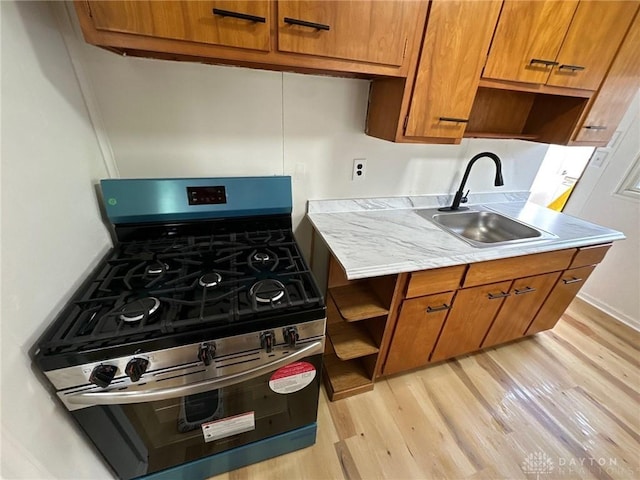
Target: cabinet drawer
point(435, 281)
point(589, 255)
point(516, 267)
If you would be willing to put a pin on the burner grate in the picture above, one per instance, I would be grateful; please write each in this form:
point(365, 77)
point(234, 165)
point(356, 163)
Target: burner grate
point(171, 271)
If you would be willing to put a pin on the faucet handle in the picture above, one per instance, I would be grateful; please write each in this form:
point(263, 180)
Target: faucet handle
point(464, 199)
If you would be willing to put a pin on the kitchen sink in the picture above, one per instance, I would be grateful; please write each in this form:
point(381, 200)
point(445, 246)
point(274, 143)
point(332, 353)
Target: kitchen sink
point(484, 228)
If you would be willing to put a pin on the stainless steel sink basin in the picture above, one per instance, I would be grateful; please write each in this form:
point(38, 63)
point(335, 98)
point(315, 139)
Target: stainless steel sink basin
point(483, 228)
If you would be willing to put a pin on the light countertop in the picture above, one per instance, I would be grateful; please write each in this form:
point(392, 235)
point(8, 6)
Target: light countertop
point(382, 236)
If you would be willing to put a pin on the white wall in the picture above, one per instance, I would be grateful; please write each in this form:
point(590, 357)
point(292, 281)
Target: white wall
point(51, 234)
point(183, 119)
point(615, 284)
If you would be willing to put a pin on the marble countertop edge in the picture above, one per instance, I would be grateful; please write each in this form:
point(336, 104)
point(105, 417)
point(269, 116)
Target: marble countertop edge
point(488, 254)
point(372, 237)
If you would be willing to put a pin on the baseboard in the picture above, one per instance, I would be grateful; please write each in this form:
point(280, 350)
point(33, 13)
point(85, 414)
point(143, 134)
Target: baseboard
point(609, 310)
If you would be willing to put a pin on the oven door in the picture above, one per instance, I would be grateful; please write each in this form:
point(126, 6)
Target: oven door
point(149, 431)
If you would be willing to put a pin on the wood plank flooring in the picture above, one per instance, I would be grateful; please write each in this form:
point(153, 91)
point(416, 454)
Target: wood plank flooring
point(563, 404)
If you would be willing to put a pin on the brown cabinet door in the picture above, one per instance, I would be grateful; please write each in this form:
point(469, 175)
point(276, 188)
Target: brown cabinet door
point(527, 296)
point(455, 46)
point(528, 38)
point(469, 320)
point(416, 332)
point(596, 31)
point(371, 31)
point(616, 92)
point(564, 291)
point(243, 24)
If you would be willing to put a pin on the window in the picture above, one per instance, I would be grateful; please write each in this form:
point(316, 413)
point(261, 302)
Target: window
point(630, 186)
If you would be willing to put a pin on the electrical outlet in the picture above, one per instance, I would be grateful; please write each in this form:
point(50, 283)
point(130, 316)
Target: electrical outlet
point(359, 168)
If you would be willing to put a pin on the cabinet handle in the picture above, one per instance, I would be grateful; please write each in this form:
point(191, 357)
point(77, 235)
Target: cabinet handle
point(567, 281)
point(304, 23)
point(242, 16)
point(573, 68)
point(453, 119)
point(493, 296)
point(546, 63)
point(524, 290)
point(438, 309)
point(595, 127)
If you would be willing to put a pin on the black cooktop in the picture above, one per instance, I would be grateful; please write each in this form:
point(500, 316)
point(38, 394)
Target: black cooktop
point(150, 293)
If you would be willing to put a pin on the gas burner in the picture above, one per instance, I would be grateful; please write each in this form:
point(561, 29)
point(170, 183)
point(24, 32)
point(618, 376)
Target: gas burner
point(267, 291)
point(261, 257)
point(136, 310)
point(210, 279)
point(156, 268)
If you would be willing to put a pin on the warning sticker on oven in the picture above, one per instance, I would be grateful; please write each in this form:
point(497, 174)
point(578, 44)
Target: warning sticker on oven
point(226, 427)
point(292, 378)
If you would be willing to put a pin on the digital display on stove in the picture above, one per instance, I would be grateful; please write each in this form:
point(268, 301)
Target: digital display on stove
point(207, 195)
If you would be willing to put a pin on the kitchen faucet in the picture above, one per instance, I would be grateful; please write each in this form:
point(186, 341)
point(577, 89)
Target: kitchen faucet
point(460, 196)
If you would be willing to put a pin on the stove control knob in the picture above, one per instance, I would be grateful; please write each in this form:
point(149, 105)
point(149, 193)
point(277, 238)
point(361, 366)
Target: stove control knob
point(291, 336)
point(102, 375)
point(267, 340)
point(205, 354)
point(135, 368)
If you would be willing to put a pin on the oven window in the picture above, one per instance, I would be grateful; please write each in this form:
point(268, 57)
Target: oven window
point(169, 432)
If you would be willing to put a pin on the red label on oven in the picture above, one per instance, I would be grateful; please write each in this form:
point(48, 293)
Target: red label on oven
point(293, 377)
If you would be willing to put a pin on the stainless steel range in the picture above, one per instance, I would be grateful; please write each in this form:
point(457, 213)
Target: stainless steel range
point(195, 346)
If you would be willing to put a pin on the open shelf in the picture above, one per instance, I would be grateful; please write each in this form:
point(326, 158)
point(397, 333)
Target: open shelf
point(528, 115)
point(357, 314)
point(349, 340)
point(345, 378)
point(358, 301)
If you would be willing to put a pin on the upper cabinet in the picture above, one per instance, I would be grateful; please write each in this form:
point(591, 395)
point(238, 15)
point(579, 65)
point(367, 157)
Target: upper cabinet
point(552, 71)
point(369, 31)
point(452, 57)
point(595, 33)
point(242, 24)
point(527, 39)
point(514, 69)
point(616, 93)
point(363, 37)
point(558, 43)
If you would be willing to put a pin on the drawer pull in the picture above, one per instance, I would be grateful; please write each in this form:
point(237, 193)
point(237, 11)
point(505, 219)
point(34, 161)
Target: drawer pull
point(453, 119)
point(567, 281)
point(304, 23)
point(595, 127)
point(493, 296)
point(242, 16)
point(539, 61)
point(524, 290)
point(573, 68)
point(438, 309)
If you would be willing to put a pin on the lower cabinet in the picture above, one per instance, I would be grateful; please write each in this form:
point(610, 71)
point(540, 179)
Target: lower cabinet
point(564, 291)
point(525, 299)
point(386, 325)
point(416, 332)
point(470, 317)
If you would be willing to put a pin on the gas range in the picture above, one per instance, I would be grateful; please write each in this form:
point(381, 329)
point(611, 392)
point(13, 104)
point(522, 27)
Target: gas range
point(205, 291)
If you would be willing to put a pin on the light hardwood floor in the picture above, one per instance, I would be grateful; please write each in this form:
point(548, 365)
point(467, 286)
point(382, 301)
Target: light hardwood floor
point(563, 404)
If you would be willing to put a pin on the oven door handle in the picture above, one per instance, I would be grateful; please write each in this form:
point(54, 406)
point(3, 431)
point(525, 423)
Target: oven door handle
point(123, 396)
